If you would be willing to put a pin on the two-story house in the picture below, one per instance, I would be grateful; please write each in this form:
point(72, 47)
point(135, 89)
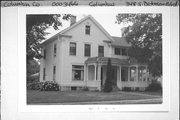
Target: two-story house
point(77, 57)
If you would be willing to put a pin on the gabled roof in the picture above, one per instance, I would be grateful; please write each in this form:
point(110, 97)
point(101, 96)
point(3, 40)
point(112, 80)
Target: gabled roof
point(79, 22)
point(120, 41)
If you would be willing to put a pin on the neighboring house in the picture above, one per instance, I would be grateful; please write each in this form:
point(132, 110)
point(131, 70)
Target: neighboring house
point(77, 57)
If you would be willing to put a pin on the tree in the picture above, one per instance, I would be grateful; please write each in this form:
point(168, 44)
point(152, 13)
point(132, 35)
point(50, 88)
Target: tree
point(144, 32)
point(108, 82)
point(36, 26)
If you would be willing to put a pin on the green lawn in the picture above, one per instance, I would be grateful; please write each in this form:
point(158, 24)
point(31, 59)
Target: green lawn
point(35, 97)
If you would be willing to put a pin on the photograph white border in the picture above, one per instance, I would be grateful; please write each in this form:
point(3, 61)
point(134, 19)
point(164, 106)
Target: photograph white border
point(22, 103)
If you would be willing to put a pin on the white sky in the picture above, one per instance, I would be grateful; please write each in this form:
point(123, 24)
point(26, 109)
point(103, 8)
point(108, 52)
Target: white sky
point(106, 20)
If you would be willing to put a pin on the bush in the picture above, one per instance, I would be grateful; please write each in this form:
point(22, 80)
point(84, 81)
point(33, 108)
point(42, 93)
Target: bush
point(32, 79)
point(85, 89)
point(108, 82)
point(50, 86)
point(154, 86)
point(34, 86)
point(126, 89)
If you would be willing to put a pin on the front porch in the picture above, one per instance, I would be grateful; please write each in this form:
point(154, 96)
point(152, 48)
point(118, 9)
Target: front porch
point(126, 74)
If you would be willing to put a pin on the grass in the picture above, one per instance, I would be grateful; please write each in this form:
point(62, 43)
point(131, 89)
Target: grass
point(35, 97)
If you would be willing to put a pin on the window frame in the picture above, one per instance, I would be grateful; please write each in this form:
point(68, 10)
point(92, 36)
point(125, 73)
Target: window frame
point(121, 51)
point(44, 53)
point(87, 29)
point(99, 54)
point(44, 73)
point(81, 72)
point(87, 51)
point(71, 49)
point(54, 72)
point(55, 49)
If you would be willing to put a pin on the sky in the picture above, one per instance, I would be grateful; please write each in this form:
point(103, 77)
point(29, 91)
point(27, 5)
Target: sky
point(106, 20)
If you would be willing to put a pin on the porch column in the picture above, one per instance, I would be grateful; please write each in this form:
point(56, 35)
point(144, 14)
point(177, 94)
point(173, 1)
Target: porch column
point(85, 74)
point(128, 73)
point(137, 73)
point(99, 73)
point(95, 75)
point(119, 73)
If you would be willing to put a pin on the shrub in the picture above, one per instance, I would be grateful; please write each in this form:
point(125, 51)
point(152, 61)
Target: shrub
point(34, 86)
point(32, 79)
point(85, 89)
point(126, 89)
point(108, 82)
point(50, 86)
point(154, 86)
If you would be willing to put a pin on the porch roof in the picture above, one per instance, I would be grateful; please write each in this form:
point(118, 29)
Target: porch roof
point(104, 60)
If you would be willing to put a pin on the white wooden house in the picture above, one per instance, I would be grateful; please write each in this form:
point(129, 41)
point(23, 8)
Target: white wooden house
point(77, 57)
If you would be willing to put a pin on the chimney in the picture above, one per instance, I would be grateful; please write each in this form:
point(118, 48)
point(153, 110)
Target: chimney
point(72, 20)
point(123, 31)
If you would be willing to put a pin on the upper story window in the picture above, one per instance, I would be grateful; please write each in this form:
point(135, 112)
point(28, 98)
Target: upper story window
point(101, 51)
point(87, 50)
point(44, 54)
point(121, 51)
point(124, 51)
point(72, 48)
point(87, 30)
point(55, 50)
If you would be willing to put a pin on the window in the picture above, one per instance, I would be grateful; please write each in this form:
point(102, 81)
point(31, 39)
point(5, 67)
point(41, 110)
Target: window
point(91, 74)
point(87, 30)
point(54, 73)
point(117, 51)
point(72, 50)
point(44, 53)
point(124, 74)
point(77, 72)
point(44, 73)
point(142, 73)
point(133, 73)
point(101, 51)
point(124, 51)
point(87, 50)
point(120, 51)
point(55, 50)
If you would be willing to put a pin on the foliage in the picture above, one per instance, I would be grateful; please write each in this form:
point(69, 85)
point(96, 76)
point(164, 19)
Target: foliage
point(43, 86)
point(50, 86)
point(35, 31)
point(32, 68)
point(32, 79)
point(154, 86)
point(108, 82)
point(126, 89)
point(34, 86)
point(144, 32)
point(85, 89)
